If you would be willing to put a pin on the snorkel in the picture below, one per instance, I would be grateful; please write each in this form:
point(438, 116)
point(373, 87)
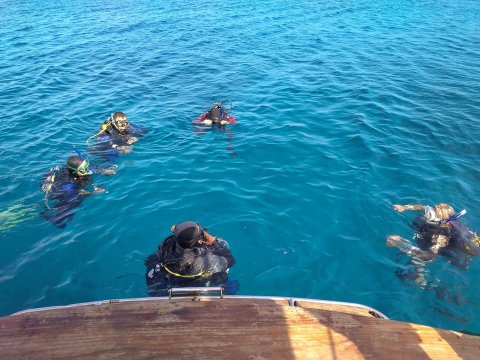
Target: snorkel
point(453, 218)
point(431, 216)
point(224, 108)
point(79, 153)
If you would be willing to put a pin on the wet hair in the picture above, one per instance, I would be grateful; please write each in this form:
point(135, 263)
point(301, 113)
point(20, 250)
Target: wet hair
point(444, 211)
point(119, 114)
point(73, 163)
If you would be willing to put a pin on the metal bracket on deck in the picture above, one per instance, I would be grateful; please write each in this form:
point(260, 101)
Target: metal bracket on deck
point(195, 292)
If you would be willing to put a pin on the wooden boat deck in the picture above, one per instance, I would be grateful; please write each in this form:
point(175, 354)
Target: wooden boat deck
point(223, 328)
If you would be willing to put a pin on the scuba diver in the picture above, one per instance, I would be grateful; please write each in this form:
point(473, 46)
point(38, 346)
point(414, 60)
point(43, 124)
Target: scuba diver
point(434, 230)
point(217, 115)
point(438, 232)
point(116, 135)
point(67, 187)
point(190, 257)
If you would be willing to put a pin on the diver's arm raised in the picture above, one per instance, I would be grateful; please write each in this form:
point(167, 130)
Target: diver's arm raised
point(402, 208)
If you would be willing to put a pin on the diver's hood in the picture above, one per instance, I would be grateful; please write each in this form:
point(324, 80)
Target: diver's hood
point(171, 249)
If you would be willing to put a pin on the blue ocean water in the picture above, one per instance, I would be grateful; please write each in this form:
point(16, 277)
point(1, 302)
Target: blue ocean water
point(344, 108)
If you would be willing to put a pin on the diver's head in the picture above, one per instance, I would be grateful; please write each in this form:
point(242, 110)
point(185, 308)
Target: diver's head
point(77, 166)
point(188, 234)
point(120, 121)
point(439, 212)
point(216, 113)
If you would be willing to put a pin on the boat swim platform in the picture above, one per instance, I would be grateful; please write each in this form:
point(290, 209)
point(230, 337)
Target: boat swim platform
point(223, 327)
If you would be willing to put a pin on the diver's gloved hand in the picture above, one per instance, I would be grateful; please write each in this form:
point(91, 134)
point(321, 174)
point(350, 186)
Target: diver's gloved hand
point(98, 189)
point(131, 140)
point(208, 239)
point(207, 122)
point(224, 122)
point(112, 170)
point(125, 149)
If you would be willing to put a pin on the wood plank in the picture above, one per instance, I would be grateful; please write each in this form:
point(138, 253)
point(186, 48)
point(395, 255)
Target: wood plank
point(222, 328)
point(348, 309)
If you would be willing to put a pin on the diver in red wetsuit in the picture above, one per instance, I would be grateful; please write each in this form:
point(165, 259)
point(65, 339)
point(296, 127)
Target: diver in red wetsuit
point(218, 115)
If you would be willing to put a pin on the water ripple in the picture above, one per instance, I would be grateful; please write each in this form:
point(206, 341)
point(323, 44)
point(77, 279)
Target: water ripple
point(343, 108)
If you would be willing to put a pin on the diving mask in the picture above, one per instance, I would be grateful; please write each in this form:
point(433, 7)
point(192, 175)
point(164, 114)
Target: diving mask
point(122, 123)
point(431, 214)
point(83, 169)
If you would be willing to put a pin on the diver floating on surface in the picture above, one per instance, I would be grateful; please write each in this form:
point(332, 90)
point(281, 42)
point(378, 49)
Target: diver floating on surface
point(116, 136)
point(217, 115)
point(438, 228)
point(67, 187)
point(190, 257)
point(438, 232)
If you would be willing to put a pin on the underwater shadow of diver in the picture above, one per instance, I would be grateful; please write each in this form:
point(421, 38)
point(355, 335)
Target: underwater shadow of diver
point(202, 129)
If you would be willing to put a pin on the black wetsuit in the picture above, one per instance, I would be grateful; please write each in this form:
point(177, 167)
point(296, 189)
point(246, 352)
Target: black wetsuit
point(66, 194)
point(204, 265)
point(118, 138)
point(105, 149)
point(459, 251)
point(460, 247)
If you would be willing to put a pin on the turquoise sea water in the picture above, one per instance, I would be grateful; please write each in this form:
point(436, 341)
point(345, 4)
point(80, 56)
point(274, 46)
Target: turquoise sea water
point(344, 108)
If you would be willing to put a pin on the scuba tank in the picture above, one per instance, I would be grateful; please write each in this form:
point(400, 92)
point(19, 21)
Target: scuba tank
point(216, 113)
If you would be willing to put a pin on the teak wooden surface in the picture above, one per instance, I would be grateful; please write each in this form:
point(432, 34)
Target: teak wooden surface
point(229, 328)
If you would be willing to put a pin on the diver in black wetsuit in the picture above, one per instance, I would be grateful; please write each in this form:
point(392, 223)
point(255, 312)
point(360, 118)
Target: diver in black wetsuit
point(67, 188)
point(434, 230)
point(191, 257)
point(438, 232)
point(116, 136)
